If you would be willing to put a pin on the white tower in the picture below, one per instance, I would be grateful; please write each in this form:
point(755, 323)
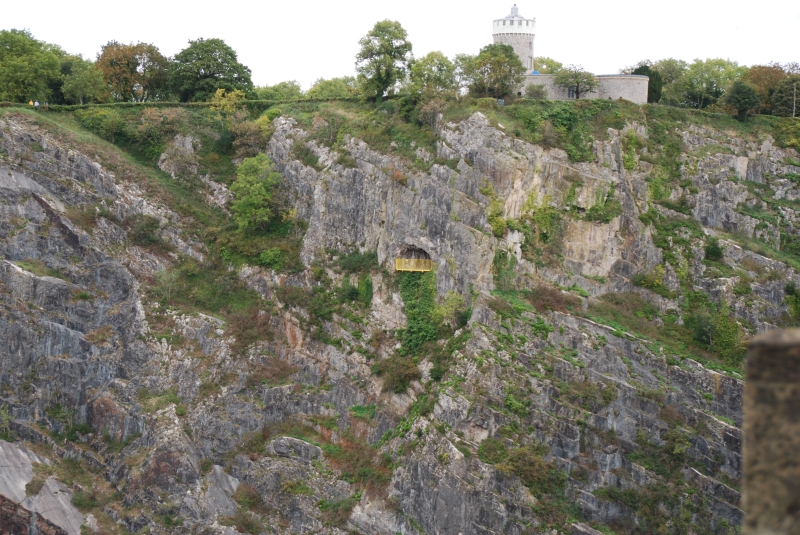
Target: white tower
point(518, 32)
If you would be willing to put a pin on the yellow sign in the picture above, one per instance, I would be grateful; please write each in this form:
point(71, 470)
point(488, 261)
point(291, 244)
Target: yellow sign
point(412, 264)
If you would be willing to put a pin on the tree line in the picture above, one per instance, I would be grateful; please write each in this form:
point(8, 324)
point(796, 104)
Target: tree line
point(385, 65)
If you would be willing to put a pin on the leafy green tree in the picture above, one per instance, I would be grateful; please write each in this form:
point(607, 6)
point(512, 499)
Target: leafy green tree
point(764, 79)
point(27, 67)
point(575, 78)
point(280, 91)
point(670, 69)
point(134, 72)
point(465, 71)
point(546, 65)
point(704, 82)
point(496, 71)
point(742, 98)
point(536, 92)
point(205, 66)
point(84, 82)
point(654, 85)
point(345, 87)
point(253, 205)
point(433, 76)
point(383, 59)
point(786, 95)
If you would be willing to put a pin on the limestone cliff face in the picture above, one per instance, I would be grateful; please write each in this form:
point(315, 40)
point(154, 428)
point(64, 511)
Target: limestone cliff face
point(184, 424)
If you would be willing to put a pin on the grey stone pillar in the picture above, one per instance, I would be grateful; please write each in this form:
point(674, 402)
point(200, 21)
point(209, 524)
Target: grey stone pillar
point(771, 449)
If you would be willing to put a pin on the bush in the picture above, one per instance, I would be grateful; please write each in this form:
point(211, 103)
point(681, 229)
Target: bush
point(397, 372)
point(358, 262)
point(714, 251)
point(546, 298)
point(492, 451)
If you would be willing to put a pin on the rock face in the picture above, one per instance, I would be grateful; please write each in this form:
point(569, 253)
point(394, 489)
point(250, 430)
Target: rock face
point(543, 416)
point(50, 511)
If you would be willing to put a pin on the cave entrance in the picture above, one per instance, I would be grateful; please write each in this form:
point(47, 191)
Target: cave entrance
point(411, 258)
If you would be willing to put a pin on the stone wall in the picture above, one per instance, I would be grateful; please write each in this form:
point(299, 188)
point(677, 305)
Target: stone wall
point(522, 45)
point(612, 86)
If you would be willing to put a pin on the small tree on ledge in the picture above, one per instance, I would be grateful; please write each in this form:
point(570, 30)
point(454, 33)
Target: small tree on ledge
point(575, 78)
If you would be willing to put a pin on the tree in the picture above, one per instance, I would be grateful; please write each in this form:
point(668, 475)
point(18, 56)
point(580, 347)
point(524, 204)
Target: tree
point(654, 85)
point(546, 65)
point(27, 67)
point(280, 91)
point(84, 82)
point(496, 72)
point(345, 87)
point(205, 66)
point(383, 59)
point(670, 69)
point(742, 98)
point(465, 71)
point(575, 78)
point(536, 92)
point(704, 82)
point(134, 72)
point(764, 79)
point(253, 189)
point(787, 96)
point(433, 76)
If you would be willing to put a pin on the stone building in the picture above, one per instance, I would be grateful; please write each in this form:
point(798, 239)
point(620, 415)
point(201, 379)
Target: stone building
point(518, 32)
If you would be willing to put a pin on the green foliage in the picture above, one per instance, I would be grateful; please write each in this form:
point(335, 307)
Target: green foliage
point(336, 513)
point(383, 58)
point(433, 75)
point(575, 78)
point(300, 151)
point(784, 97)
point(397, 372)
point(654, 280)
point(84, 82)
point(536, 92)
point(272, 258)
point(27, 67)
point(358, 262)
point(492, 451)
point(253, 206)
point(334, 88)
point(518, 407)
point(538, 475)
point(791, 298)
point(365, 289)
point(418, 291)
point(364, 412)
point(205, 66)
point(605, 208)
point(106, 123)
point(546, 65)
point(654, 85)
point(495, 72)
point(713, 250)
point(281, 91)
point(702, 83)
point(742, 98)
point(133, 72)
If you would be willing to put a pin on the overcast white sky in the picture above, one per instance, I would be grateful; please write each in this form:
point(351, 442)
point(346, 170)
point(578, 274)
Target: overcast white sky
point(303, 41)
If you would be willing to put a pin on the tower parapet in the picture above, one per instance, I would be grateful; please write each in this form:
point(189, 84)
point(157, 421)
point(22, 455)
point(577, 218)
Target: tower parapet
point(517, 32)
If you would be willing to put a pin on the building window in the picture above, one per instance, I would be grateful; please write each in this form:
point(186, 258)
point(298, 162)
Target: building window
point(527, 23)
point(504, 23)
point(571, 93)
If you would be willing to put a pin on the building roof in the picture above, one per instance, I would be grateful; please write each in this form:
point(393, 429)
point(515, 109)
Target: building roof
point(514, 13)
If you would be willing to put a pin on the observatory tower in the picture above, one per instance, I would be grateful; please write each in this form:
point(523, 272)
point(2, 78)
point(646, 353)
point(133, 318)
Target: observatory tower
point(516, 31)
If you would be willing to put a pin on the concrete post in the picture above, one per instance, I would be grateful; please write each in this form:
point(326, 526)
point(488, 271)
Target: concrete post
point(771, 449)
